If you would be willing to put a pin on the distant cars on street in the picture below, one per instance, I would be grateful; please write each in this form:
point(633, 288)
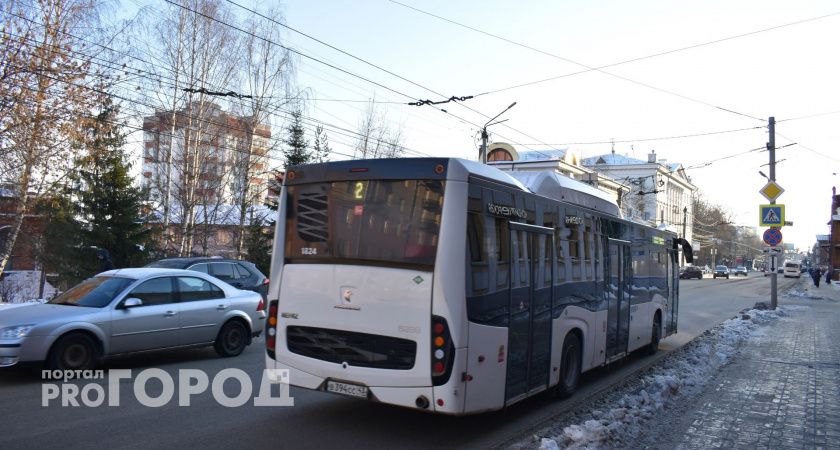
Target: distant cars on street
point(690, 272)
point(740, 270)
point(721, 272)
point(127, 311)
point(238, 273)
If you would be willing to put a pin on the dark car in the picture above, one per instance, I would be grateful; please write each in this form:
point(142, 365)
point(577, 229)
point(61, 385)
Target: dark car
point(722, 272)
point(237, 273)
point(691, 272)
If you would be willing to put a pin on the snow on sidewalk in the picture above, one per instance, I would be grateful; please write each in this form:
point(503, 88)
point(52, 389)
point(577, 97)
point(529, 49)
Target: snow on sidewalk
point(682, 374)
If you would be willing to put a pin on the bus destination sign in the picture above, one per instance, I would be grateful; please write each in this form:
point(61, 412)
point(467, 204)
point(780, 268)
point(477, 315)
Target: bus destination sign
point(506, 211)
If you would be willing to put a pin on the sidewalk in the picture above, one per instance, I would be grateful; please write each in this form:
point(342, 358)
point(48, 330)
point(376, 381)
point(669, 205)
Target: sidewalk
point(783, 391)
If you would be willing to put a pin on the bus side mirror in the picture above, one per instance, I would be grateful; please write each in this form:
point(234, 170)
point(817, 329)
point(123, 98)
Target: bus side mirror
point(686, 247)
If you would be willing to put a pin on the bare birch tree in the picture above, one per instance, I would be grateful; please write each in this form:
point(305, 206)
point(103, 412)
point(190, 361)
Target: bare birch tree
point(269, 74)
point(47, 86)
point(376, 137)
point(195, 55)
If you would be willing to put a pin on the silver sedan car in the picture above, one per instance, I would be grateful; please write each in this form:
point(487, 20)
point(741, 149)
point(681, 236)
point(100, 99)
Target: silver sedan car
point(131, 310)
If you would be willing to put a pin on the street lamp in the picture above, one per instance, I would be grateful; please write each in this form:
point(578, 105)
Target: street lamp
point(483, 154)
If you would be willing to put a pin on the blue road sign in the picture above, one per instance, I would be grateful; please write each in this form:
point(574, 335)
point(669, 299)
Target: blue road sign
point(772, 237)
point(771, 215)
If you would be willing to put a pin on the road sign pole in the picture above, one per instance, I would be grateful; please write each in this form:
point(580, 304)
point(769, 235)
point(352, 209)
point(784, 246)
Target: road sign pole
point(771, 147)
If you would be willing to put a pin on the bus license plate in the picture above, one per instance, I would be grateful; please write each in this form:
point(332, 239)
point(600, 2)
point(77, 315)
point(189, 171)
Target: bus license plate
point(352, 390)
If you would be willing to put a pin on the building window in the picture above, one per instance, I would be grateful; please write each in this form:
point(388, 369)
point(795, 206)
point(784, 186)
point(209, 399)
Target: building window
point(499, 154)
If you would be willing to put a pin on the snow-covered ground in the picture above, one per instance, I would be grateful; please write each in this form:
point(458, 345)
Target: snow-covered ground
point(22, 285)
point(615, 421)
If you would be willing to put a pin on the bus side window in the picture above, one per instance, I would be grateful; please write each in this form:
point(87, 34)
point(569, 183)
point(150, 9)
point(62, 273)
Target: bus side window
point(575, 255)
point(502, 252)
point(599, 251)
point(549, 219)
point(477, 253)
point(588, 258)
point(561, 243)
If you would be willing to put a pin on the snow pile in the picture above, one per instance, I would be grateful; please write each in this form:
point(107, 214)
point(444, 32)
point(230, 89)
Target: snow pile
point(684, 373)
point(803, 292)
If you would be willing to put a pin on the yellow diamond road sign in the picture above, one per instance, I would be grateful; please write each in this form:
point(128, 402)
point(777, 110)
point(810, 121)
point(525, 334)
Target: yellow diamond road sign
point(771, 191)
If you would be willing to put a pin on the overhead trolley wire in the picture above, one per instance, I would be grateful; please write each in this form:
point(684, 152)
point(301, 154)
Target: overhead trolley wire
point(599, 68)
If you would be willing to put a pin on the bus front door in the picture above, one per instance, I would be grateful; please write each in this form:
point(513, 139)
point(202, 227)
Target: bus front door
point(529, 325)
point(618, 299)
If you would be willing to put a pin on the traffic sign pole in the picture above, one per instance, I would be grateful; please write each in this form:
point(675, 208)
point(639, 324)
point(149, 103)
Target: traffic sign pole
point(771, 147)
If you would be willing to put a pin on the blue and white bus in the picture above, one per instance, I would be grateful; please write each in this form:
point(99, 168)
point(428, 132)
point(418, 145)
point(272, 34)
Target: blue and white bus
point(449, 286)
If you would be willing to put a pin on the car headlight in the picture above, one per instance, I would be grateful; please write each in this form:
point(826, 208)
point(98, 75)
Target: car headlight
point(15, 332)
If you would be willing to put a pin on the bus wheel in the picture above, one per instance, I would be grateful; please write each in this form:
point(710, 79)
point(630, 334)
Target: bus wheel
point(569, 366)
point(655, 336)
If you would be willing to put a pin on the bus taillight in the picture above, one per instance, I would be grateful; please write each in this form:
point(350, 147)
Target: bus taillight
point(443, 351)
point(271, 332)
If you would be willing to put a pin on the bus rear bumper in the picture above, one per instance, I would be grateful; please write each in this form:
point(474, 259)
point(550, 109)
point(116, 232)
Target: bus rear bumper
point(421, 398)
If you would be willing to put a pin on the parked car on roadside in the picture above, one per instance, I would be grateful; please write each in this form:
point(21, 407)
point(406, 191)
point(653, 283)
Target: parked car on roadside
point(127, 311)
point(740, 270)
point(238, 273)
point(689, 272)
point(722, 272)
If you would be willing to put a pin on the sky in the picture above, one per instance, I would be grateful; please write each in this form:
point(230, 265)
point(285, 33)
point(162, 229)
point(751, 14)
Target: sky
point(715, 66)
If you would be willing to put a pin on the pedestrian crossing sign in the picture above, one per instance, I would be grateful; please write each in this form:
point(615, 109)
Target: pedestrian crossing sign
point(771, 215)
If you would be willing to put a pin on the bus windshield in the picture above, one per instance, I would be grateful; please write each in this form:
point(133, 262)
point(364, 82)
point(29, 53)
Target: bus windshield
point(374, 222)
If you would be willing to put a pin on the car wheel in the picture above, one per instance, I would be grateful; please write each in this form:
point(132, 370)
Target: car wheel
point(569, 366)
point(74, 351)
point(232, 339)
point(655, 336)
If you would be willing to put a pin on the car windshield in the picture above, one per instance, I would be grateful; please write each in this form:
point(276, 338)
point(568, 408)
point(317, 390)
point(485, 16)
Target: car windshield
point(721, 267)
point(96, 292)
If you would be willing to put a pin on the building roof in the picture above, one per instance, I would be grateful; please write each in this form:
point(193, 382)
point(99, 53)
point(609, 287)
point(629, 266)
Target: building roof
point(612, 159)
point(542, 155)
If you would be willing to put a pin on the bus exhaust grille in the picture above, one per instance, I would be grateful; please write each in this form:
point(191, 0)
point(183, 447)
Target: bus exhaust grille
point(355, 349)
point(312, 217)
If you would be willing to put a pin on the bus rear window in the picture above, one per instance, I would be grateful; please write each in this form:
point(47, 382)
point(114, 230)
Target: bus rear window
point(377, 222)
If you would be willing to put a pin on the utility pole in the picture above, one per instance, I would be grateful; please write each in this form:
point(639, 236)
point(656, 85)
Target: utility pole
point(685, 213)
point(482, 157)
point(771, 147)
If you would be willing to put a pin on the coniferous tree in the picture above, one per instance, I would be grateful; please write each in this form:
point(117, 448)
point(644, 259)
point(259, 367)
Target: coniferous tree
point(258, 244)
point(110, 210)
point(59, 248)
point(321, 149)
point(295, 150)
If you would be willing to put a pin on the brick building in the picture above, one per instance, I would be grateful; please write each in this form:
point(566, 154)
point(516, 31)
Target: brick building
point(209, 149)
point(25, 252)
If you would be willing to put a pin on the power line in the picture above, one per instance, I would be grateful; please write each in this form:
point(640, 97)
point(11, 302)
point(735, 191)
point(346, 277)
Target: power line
point(334, 66)
point(664, 138)
point(807, 148)
point(453, 98)
point(417, 103)
point(289, 49)
point(158, 78)
point(809, 116)
point(599, 68)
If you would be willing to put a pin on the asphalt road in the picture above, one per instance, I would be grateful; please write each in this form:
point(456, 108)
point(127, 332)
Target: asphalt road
point(316, 420)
